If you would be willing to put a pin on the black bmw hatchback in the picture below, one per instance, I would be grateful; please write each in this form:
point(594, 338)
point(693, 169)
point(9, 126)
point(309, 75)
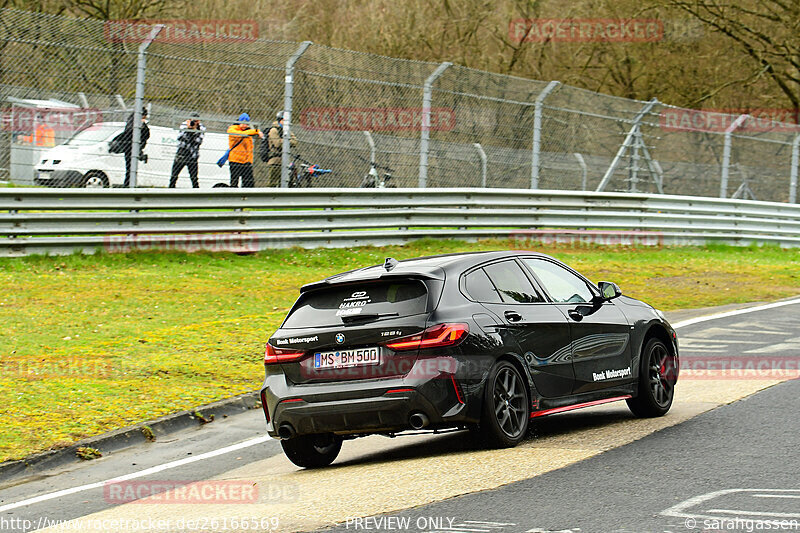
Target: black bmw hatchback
point(486, 341)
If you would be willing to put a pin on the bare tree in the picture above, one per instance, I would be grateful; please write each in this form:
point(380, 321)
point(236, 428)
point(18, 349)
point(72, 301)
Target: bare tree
point(123, 9)
point(767, 31)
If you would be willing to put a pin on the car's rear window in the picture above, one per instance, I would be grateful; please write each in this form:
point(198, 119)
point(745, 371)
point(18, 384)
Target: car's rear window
point(336, 305)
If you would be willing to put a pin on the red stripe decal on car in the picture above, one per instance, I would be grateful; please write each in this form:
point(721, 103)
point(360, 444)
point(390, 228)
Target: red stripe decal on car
point(577, 406)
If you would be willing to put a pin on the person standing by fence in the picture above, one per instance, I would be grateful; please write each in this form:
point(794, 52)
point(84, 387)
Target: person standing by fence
point(189, 141)
point(240, 158)
point(274, 145)
point(123, 143)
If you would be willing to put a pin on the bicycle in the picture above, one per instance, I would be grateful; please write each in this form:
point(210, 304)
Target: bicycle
point(307, 171)
point(373, 178)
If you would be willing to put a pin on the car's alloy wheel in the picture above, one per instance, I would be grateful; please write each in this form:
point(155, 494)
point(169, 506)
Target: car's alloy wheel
point(312, 451)
point(95, 180)
point(657, 377)
point(506, 409)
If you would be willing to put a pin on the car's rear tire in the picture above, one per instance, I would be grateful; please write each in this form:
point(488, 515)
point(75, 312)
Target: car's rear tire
point(312, 451)
point(657, 377)
point(506, 408)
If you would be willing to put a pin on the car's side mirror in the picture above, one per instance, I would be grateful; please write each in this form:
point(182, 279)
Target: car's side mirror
point(609, 290)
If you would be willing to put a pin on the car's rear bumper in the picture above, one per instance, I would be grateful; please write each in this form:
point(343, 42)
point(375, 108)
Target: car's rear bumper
point(364, 406)
point(381, 413)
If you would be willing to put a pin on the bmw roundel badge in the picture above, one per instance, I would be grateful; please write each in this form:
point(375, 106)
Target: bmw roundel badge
point(340, 338)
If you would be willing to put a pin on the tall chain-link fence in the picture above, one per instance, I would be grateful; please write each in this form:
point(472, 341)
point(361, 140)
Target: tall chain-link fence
point(68, 86)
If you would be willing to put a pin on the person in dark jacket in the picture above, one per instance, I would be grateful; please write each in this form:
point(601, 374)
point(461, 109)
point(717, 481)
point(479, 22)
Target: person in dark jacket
point(275, 140)
point(127, 139)
point(189, 141)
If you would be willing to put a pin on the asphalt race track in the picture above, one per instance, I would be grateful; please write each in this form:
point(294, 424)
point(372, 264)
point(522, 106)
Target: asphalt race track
point(727, 451)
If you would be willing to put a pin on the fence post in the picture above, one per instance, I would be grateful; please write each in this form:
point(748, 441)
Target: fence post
point(371, 143)
point(537, 131)
point(584, 169)
point(633, 170)
point(138, 103)
point(288, 93)
point(629, 138)
point(482, 155)
point(425, 135)
point(726, 155)
point(795, 163)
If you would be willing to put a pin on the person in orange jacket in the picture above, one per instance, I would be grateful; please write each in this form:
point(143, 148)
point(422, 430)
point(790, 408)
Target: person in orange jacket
point(44, 135)
point(240, 158)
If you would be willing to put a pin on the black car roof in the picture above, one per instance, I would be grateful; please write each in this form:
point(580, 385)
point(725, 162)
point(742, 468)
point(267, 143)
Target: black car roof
point(430, 267)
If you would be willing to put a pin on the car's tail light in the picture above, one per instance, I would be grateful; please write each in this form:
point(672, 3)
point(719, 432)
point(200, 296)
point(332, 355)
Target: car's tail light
point(275, 355)
point(433, 337)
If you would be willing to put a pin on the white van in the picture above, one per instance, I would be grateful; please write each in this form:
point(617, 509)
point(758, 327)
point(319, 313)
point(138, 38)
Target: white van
point(84, 160)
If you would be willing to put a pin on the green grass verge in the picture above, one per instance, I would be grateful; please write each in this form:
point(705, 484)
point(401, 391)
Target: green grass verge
point(94, 343)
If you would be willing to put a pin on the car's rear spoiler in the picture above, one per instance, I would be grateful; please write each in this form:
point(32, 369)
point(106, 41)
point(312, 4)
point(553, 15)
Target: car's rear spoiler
point(356, 276)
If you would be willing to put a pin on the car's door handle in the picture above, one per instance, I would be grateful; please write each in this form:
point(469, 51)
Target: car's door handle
point(575, 315)
point(513, 316)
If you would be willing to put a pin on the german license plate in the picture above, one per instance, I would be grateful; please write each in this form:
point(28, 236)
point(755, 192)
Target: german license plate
point(347, 358)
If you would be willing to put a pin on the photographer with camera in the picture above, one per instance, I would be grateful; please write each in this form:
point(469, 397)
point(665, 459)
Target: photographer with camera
point(189, 141)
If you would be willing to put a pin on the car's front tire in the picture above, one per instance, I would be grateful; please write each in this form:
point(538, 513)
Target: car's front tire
point(312, 451)
point(506, 407)
point(657, 377)
point(95, 179)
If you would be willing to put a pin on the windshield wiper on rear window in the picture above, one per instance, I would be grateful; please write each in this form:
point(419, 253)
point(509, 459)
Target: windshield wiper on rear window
point(366, 317)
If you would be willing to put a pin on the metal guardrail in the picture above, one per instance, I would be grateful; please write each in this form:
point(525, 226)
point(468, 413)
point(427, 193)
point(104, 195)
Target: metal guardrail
point(436, 124)
point(63, 221)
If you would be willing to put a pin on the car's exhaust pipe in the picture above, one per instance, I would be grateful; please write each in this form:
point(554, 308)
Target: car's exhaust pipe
point(286, 431)
point(418, 420)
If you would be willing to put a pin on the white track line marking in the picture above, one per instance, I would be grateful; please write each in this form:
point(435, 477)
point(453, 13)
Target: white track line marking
point(689, 322)
point(135, 475)
point(775, 496)
point(259, 440)
point(684, 508)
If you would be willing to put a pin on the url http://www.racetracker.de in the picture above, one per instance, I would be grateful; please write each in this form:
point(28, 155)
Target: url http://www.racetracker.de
point(201, 523)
